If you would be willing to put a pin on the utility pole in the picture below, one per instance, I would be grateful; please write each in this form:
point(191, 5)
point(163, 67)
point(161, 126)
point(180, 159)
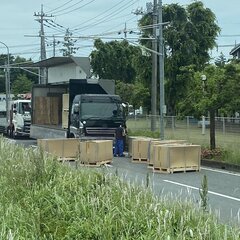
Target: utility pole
point(161, 70)
point(154, 70)
point(42, 16)
point(54, 46)
point(7, 81)
point(125, 31)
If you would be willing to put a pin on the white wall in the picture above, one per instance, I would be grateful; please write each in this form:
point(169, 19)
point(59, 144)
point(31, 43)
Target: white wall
point(65, 72)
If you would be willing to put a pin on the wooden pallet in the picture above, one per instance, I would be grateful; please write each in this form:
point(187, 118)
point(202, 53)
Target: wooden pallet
point(95, 164)
point(67, 159)
point(176, 169)
point(139, 160)
point(150, 165)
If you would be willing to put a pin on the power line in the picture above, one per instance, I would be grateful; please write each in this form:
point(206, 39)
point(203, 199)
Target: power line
point(76, 8)
point(59, 7)
point(107, 17)
point(69, 7)
point(93, 18)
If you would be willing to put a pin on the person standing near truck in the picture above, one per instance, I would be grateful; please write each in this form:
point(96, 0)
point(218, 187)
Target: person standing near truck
point(119, 137)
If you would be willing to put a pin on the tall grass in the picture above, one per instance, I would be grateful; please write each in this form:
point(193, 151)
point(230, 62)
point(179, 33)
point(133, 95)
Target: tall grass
point(44, 199)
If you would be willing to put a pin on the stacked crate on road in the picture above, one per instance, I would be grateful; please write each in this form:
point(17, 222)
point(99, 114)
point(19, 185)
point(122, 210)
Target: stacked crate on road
point(62, 148)
point(151, 153)
point(140, 149)
point(96, 152)
point(176, 158)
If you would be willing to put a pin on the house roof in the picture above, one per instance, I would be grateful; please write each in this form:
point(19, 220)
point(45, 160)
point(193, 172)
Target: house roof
point(235, 49)
point(83, 62)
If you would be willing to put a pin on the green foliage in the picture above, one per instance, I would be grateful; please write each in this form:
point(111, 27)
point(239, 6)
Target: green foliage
point(125, 90)
point(21, 85)
point(44, 199)
point(188, 39)
point(141, 95)
point(16, 73)
point(221, 60)
point(144, 133)
point(135, 94)
point(114, 60)
point(219, 93)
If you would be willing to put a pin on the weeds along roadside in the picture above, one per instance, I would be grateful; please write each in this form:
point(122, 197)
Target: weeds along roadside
point(44, 199)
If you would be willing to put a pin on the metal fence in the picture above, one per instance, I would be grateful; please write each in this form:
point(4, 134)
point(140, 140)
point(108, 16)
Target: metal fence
point(192, 129)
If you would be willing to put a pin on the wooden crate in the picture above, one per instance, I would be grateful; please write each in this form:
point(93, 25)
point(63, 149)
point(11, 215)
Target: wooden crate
point(47, 110)
point(154, 142)
point(177, 157)
point(129, 142)
point(96, 152)
point(62, 148)
point(65, 119)
point(140, 149)
point(65, 101)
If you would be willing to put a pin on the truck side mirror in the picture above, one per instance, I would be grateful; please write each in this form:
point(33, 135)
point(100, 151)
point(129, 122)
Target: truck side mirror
point(76, 108)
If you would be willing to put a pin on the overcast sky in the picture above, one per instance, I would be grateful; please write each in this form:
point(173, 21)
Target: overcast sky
point(19, 28)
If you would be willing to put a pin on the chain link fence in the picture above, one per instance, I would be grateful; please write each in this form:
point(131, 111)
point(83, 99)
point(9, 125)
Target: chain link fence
point(192, 129)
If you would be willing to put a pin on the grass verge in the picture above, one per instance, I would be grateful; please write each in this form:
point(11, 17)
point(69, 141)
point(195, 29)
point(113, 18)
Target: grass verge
point(44, 199)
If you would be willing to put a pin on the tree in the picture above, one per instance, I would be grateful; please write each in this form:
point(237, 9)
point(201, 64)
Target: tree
point(3, 62)
point(221, 60)
point(114, 60)
point(220, 93)
point(188, 38)
point(21, 85)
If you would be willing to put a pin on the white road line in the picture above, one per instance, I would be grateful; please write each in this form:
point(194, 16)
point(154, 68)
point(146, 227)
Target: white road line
point(221, 171)
point(195, 188)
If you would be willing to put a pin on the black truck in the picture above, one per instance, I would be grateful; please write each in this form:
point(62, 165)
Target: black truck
point(94, 111)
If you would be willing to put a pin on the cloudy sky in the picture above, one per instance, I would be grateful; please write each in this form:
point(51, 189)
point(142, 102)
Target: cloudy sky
point(19, 29)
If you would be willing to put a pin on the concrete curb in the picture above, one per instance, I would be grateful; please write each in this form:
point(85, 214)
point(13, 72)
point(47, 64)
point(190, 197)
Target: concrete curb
point(220, 165)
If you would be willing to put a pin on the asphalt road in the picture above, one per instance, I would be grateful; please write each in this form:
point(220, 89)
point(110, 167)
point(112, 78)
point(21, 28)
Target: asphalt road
point(223, 186)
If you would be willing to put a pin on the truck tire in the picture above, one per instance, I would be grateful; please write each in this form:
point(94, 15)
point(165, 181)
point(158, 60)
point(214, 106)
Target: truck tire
point(9, 132)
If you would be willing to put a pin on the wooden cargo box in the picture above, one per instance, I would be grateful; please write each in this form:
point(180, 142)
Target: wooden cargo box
point(152, 143)
point(46, 110)
point(140, 149)
point(173, 158)
point(65, 119)
point(96, 152)
point(63, 148)
point(65, 101)
point(129, 142)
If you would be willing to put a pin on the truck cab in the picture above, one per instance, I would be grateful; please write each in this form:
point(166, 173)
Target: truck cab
point(20, 118)
point(96, 115)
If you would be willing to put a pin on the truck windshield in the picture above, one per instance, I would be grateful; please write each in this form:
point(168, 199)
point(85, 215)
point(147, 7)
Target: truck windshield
point(24, 107)
point(101, 110)
point(3, 114)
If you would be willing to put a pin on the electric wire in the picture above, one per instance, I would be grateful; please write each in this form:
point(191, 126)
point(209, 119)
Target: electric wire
point(52, 10)
point(107, 17)
point(69, 7)
point(84, 5)
point(99, 15)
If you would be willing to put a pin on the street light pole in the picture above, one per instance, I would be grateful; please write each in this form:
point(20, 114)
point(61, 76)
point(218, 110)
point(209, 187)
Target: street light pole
point(204, 78)
point(7, 83)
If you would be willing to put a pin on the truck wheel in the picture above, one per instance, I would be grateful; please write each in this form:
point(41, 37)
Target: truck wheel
point(9, 133)
point(14, 135)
